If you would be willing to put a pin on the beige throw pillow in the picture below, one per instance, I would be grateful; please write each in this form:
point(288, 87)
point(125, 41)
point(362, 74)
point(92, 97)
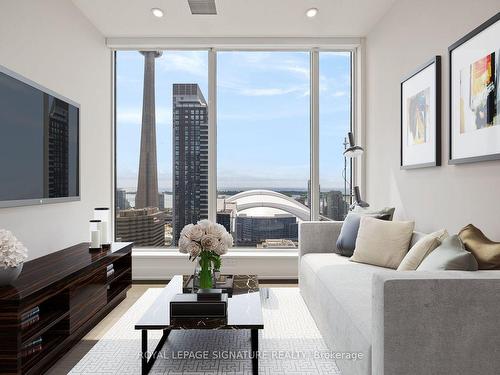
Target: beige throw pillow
point(421, 249)
point(382, 243)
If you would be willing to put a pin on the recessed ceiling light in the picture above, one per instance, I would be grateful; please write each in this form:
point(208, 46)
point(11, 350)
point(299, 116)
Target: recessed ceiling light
point(312, 12)
point(157, 12)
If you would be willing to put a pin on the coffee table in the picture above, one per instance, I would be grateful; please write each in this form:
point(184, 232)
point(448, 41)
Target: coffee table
point(244, 311)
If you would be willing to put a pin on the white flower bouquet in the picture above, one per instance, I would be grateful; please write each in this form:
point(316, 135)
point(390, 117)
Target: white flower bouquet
point(12, 251)
point(208, 241)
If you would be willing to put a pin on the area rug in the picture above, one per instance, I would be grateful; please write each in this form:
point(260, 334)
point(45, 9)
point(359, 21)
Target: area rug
point(289, 344)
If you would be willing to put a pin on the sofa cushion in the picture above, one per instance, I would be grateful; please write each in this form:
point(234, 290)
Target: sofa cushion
point(450, 255)
point(387, 212)
point(419, 251)
point(350, 284)
point(346, 242)
point(486, 251)
point(382, 243)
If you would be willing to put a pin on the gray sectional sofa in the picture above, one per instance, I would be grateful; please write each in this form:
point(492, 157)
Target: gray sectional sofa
point(404, 322)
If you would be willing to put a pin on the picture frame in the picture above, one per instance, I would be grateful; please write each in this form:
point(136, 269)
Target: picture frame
point(474, 101)
point(420, 109)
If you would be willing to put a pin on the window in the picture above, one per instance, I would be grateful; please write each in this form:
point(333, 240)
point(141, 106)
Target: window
point(334, 124)
point(161, 149)
point(263, 153)
point(263, 146)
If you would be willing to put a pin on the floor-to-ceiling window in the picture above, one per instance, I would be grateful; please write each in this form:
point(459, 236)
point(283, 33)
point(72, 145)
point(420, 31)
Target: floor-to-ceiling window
point(263, 143)
point(161, 144)
point(263, 151)
point(335, 98)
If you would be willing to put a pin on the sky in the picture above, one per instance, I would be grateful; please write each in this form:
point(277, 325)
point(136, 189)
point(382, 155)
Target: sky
point(262, 116)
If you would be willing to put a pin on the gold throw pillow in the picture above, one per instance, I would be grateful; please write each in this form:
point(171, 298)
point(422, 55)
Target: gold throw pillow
point(486, 251)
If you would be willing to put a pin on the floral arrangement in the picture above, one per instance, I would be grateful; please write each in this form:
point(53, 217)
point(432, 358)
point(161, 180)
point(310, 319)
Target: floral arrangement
point(208, 241)
point(204, 236)
point(12, 251)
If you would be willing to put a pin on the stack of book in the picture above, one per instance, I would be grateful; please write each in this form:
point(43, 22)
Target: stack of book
point(30, 317)
point(32, 347)
point(110, 271)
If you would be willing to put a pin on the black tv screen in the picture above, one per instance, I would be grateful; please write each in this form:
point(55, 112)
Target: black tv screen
point(39, 152)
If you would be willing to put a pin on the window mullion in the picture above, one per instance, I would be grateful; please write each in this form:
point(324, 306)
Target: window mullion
point(212, 135)
point(314, 113)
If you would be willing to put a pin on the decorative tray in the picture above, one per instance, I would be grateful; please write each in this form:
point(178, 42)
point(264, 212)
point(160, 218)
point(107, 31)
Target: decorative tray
point(224, 282)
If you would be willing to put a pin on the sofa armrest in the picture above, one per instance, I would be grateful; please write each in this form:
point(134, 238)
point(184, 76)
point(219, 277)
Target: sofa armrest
point(436, 322)
point(318, 236)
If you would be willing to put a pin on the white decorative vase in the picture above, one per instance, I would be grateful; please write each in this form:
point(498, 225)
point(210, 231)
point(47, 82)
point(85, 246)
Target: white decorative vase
point(10, 274)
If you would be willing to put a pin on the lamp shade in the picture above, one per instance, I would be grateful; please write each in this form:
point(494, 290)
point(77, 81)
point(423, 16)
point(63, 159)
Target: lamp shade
point(353, 151)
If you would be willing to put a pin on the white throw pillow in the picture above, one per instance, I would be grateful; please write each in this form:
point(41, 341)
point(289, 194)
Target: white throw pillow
point(382, 243)
point(421, 249)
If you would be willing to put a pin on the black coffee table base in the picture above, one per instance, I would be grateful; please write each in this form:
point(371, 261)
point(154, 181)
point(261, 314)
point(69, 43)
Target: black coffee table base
point(148, 362)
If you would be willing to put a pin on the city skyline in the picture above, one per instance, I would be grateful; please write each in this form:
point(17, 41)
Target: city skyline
point(289, 164)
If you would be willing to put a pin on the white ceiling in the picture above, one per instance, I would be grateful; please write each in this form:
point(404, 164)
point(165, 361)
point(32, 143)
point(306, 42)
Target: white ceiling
point(273, 18)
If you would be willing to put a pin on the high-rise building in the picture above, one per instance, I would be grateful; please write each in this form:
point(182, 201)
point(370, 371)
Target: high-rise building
point(144, 227)
point(224, 219)
point(121, 200)
point(190, 156)
point(336, 207)
point(161, 201)
point(147, 185)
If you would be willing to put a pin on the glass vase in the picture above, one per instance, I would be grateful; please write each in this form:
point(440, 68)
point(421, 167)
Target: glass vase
point(206, 270)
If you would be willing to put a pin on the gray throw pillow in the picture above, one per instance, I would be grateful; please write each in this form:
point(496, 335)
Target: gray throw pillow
point(386, 211)
point(346, 242)
point(450, 255)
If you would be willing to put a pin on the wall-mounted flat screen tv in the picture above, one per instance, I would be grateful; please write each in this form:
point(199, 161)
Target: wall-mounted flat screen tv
point(39, 144)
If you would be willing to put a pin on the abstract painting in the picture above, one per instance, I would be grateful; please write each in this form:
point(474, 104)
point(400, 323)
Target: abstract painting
point(479, 94)
point(475, 95)
point(421, 116)
point(418, 107)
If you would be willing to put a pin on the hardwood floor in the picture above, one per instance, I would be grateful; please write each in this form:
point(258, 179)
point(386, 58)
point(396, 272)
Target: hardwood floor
point(66, 363)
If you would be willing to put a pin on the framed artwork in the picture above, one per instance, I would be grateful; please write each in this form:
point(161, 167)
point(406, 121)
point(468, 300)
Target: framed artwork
point(475, 95)
point(421, 117)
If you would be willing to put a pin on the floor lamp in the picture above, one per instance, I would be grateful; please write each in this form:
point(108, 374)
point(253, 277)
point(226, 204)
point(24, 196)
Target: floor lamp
point(352, 152)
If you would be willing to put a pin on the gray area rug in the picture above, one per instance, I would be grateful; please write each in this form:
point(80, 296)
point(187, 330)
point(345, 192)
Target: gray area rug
point(289, 344)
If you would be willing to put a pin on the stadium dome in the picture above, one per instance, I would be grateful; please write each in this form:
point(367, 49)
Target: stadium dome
point(268, 203)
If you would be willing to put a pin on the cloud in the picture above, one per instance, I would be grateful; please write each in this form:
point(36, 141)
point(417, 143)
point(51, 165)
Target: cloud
point(275, 114)
point(128, 116)
point(195, 63)
point(253, 57)
point(291, 177)
point(293, 67)
point(125, 79)
point(242, 88)
point(133, 115)
point(338, 94)
point(268, 91)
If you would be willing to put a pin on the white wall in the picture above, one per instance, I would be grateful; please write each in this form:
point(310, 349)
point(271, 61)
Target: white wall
point(53, 44)
point(154, 265)
point(447, 196)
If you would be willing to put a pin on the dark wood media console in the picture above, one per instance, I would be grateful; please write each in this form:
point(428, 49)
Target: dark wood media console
point(69, 292)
